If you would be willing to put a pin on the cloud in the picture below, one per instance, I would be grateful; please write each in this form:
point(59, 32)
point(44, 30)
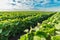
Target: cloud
point(4, 5)
point(12, 5)
point(27, 4)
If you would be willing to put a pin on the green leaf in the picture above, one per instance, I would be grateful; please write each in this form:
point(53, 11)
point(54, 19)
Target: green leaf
point(57, 26)
point(6, 33)
point(37, 38)
point(56, 37)
point(0, 30)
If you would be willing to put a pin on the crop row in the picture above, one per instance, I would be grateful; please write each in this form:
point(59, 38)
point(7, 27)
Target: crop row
point(48, 30)
point(13, 15)
point(13, 26)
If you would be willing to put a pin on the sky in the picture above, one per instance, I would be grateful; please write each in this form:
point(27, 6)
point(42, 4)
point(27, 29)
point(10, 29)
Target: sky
point(52, 5)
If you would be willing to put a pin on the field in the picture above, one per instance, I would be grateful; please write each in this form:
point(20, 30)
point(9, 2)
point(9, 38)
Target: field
point(29, 25)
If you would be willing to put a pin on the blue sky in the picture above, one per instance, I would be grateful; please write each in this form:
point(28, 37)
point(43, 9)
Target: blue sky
point(29, 4)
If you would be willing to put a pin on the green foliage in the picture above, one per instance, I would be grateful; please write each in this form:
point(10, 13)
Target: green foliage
point(57, 37)
point(48, 29)
point(12, 23)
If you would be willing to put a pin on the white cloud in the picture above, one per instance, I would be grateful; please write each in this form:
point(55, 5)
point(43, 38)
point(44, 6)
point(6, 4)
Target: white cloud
point(23, 5)
point(4, 5)
point(7, 5)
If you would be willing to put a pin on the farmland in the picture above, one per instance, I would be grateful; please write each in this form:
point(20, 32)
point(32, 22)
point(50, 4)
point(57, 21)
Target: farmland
point(29, 25)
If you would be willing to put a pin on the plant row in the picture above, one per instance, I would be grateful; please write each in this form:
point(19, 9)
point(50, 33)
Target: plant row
point(13, 26)
point(48, 30)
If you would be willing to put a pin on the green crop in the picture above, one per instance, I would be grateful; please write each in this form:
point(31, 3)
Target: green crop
point(12, 23)
point(48, 30)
